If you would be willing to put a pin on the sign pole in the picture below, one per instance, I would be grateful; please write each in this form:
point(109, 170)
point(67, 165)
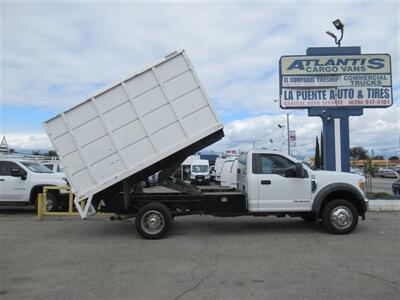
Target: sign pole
point(335, 121)
point(288, 130)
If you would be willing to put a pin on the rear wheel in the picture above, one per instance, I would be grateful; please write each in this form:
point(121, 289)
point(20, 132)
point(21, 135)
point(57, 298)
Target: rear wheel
point(153, 221)
point(340, 216)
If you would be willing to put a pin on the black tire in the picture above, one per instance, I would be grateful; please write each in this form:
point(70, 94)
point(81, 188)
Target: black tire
point(340, 216)
point(52, 202)
point(155, 215)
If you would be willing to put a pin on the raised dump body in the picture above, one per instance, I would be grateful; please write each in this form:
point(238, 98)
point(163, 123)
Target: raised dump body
point(149, 121)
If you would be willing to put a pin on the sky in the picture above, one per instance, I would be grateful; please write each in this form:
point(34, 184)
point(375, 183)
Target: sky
point(55, 54)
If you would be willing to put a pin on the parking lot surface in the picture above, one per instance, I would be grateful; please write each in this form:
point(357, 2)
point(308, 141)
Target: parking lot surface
point(202, 258)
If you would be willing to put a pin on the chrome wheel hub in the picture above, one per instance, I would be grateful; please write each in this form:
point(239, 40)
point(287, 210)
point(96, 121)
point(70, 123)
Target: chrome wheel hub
point(49, 205)
point(152, 222)
point(342, 217)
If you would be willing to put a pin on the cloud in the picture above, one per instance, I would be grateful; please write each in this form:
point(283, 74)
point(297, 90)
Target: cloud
point(78, 46)
point(377, 129)
point(54, 54)
point(27, 141)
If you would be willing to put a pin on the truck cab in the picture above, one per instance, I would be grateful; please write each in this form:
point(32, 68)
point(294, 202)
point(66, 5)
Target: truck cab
point(275, 182)
point(200, 172)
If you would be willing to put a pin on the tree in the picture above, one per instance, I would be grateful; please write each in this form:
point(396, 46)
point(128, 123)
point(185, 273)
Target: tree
point(322, 152)
point(35, 152)
point(369, 168)
point(358, 153)
point(378, 157)
point(394, 158)
point(52, 153)
point(317, 158)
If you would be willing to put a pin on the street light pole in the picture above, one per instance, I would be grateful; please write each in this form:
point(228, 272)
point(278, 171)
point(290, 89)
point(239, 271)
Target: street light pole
point(288, 139)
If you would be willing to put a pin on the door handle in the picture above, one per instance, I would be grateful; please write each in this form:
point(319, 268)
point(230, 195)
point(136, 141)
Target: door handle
point(265, 181)
point(1, 179)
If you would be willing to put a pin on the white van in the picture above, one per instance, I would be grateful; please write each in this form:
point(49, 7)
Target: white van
point(219, 162)
point(200, 172)
point(186, 166)
point(229, 173)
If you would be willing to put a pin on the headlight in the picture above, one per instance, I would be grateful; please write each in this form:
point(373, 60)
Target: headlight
point(361, 184)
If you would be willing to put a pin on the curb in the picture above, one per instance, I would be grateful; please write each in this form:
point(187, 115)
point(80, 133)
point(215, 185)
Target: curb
point(384, 205)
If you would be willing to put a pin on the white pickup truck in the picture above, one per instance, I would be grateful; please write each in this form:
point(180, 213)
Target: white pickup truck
point(22, 180)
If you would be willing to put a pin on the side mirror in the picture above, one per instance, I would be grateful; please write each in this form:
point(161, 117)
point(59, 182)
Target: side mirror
point(15, 172)
point(299, 170)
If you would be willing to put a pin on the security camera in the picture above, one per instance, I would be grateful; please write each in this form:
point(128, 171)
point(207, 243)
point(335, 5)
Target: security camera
point(338, 24)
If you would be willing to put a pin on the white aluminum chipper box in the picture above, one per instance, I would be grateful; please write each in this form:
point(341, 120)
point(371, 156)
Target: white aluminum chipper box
point(134, 128)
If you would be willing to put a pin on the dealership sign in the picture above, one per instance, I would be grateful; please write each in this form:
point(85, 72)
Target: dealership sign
point(335, 81)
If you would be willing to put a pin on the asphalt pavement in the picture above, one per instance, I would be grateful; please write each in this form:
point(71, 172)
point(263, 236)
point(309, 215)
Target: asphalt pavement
point(202, 258)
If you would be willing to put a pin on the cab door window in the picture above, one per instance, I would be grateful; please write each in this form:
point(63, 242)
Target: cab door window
point(7, 166)
point(274, 164)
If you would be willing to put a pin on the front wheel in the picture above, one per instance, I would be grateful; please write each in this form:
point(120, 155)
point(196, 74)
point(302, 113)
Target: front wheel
point(52, 202)
point(153, 221)
point(340, 216)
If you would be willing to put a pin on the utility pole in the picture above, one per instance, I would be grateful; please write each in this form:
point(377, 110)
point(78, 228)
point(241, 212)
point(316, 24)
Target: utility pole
point(288, 140)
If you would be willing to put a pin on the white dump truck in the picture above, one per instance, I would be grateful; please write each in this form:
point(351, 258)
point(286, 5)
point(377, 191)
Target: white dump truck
point(150, 122)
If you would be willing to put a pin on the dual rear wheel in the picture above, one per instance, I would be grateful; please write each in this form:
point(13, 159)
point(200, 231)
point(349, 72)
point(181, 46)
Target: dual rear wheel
point(153, 221)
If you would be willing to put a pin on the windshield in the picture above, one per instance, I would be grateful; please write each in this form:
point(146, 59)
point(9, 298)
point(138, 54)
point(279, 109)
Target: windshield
point(37, 168)
point(199, 169)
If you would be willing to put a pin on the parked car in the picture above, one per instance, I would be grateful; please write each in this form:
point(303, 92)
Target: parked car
point(357, 171)
point(22, 180)
point(386, 173)
point(396, 187)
